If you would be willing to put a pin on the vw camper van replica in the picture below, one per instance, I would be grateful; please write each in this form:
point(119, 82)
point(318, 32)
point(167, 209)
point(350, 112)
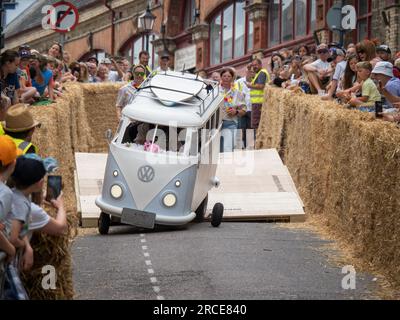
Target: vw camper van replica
point(163, 158)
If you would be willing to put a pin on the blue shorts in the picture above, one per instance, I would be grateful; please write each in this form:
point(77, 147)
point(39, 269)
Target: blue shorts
point(366, 109)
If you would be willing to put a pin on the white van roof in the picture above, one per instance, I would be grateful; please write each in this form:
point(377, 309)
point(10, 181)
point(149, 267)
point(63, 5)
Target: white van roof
point(184, 99)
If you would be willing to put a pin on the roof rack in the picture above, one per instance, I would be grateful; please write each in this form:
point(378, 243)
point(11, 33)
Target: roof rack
point(212, 88)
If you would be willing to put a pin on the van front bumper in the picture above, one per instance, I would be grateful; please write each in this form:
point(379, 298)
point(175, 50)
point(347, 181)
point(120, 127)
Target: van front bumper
point(160, 219)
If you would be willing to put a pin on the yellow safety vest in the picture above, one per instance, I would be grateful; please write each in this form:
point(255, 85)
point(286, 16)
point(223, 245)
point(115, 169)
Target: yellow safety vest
point(1, 130)
point(148, 71)
point(257, 96)
point(24, 145)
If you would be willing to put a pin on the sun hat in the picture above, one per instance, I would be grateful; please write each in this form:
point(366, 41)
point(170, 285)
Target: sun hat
point(384, 67)
point(19, 119)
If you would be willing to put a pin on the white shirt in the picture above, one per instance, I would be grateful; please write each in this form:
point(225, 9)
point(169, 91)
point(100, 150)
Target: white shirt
point(113, 76)
point(243, 82)
point(339, 70)
point(321, 65)
point(39, 217)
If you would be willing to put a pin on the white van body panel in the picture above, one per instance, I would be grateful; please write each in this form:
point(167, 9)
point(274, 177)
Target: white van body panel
point(165, 169)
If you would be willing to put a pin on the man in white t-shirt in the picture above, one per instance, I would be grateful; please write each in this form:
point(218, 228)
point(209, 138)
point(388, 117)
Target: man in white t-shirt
point(319, 71)
point(339, 57)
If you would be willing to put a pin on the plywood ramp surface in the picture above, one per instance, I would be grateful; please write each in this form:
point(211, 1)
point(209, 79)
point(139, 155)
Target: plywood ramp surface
point(255, 185)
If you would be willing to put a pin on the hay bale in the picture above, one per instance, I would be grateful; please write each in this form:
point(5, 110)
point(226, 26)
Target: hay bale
point(76, 123)
point(346, 166)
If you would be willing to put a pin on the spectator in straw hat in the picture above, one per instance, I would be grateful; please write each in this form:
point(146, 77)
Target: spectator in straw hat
point(8, 155)
point(20, 126)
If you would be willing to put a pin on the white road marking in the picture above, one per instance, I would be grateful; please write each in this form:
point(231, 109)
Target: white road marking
point(153, 279)
point(150, 270)
point(156, 289)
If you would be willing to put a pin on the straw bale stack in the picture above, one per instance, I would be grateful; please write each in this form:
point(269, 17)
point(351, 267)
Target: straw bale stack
point(346, 166)
point(75, 123)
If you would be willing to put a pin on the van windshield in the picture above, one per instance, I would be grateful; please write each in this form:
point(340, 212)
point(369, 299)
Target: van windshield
point(154, 138)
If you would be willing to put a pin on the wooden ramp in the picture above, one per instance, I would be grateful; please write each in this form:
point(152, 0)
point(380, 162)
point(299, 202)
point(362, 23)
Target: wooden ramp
point(255, 186)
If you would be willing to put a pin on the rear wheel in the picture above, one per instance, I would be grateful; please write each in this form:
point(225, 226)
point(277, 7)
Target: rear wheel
point(217, 214)
point(104, 223)
point(201, 210)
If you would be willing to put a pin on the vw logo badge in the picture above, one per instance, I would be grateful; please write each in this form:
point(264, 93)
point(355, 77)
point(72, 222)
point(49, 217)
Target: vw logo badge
point(146, 174)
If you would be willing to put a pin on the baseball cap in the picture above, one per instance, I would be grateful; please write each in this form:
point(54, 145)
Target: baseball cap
point(25, 54)
point(28, 171)
point(335, 53)
point(384, 48)
point(385, 68)
point(93, 59)
point(8, 150)
point(164, 54)
point(322, 46)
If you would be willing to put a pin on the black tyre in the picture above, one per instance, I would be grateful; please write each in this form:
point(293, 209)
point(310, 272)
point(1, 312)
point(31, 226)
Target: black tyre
point(104, 223)
point(201, 210)
point(217, 214)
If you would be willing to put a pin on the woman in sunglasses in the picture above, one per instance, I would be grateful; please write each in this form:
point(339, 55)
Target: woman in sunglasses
point(126, 93)
point(366, 51)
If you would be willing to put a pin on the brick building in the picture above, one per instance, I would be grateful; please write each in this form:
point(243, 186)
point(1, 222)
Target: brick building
point(203, 34)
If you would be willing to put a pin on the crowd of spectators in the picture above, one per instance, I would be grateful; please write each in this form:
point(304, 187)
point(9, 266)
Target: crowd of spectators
point(360, 76)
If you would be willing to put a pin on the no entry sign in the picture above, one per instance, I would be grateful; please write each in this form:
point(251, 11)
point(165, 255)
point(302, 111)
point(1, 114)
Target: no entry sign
point(60, 17)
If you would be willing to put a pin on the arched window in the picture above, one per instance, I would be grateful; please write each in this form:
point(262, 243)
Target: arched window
point(189, 14)
point(291, 19)
point(231, 33)
point(133, 49)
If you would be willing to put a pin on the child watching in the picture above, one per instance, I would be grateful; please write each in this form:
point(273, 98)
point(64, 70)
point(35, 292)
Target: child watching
point(28, 177)
point(370, 93)
point(8, 154)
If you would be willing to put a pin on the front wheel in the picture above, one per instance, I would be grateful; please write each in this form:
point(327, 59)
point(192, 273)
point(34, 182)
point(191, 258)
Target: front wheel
point(104, 223)
point(217, 214)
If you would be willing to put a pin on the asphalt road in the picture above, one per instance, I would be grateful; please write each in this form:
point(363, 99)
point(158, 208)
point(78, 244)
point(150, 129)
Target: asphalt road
point(235, 261)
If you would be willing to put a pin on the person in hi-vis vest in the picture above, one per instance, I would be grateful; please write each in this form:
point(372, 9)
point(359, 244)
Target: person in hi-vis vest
point(257, 91)
point(144, 60)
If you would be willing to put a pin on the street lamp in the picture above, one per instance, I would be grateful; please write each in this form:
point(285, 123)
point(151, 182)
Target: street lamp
point(147, 23)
